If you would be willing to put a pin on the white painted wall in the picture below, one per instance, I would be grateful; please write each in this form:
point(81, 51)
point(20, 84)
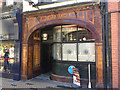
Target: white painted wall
point(9, 2)
point(27, 7)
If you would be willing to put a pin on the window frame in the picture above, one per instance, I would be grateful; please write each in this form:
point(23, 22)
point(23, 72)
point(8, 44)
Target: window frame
point(77, 47)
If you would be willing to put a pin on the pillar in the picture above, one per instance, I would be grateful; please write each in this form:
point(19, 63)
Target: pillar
point(99, 66)
point(24, 61)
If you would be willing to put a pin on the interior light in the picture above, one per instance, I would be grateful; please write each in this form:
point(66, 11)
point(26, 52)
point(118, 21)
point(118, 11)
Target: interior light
point(45, 36)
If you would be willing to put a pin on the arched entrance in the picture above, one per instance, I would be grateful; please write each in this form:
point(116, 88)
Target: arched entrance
point(29, 45)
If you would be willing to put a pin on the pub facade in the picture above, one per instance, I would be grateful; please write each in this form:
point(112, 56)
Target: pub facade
point(54, 39)
point(49, 38)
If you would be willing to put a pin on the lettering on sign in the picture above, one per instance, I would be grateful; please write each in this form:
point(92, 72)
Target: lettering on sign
point(4, 37)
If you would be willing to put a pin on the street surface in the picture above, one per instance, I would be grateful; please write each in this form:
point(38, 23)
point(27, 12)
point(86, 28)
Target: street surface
point(42, 81)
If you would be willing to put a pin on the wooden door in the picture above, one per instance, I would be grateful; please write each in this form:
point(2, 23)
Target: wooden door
point(34, 55)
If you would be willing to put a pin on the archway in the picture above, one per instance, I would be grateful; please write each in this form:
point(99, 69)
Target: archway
point(80, 23)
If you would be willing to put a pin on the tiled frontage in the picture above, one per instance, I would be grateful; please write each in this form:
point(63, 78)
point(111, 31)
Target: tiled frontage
point(87, 16)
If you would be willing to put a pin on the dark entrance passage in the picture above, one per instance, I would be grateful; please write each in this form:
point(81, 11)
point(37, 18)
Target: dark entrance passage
point(40, 52)
point(46, 49)
point(46, 58)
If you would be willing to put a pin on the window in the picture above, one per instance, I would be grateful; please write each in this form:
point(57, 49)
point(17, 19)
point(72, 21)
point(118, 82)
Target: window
point(57, 34)
point(84, 33)
point(86, 52)
point(69, 33)
point(73, 43)
point(57, 51)
point(69, 51)
point(7, 47)
point(9, 2)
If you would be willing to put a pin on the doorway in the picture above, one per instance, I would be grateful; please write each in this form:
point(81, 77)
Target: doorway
point(46, 58)
point(46, 49)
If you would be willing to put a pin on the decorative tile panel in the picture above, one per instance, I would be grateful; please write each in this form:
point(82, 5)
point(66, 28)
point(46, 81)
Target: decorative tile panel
point(80, 15)
point(34, 20)
point(90, 16)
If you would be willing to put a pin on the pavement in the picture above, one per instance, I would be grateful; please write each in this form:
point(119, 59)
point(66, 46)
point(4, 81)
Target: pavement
point(42, 81)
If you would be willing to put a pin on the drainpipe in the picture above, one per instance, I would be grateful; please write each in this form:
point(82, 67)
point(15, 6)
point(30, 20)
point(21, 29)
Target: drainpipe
point(103, 44)
point(108, 48)
point(20, 36)
point(114, 12)
point(106, 58)
point(105, 41)
point(107, 67)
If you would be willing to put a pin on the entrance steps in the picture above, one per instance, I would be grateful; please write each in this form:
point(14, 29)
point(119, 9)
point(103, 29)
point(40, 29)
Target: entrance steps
point(44, 77)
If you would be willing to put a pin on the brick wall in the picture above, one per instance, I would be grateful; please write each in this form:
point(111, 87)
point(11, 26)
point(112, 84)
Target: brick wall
point(115, 38)
point(114, 33)
point(119, 44)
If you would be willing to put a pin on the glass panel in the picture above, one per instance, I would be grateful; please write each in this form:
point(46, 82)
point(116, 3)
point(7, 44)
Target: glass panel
point(69, 52)
point(84, 35)
point(36, 35)
point(57, 34)
point(86, 52)
point(69, 33)
point(57, 51)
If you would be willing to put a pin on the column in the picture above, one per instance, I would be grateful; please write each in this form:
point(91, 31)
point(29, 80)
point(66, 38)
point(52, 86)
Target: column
point(24, 61)
point(99, 66)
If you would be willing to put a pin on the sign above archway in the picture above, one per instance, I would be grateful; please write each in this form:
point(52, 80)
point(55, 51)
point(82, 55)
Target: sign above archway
point(87, 15)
